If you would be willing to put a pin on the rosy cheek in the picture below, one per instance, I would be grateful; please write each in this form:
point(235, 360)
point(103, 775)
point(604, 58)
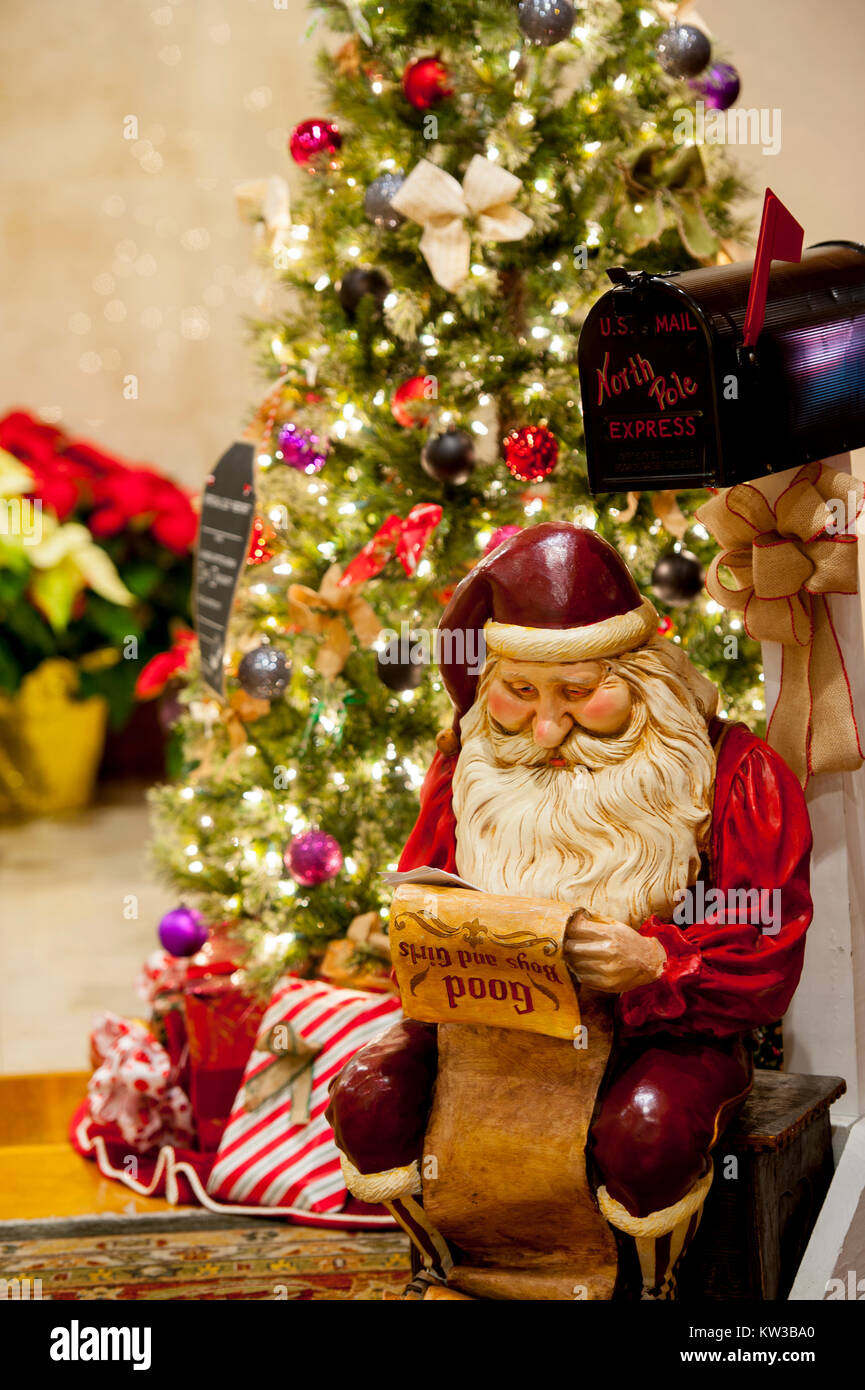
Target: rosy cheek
point(606, 709)
point(506, 710)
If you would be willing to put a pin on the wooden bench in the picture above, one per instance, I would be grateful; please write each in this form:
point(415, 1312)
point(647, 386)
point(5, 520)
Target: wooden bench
point(773, 1168)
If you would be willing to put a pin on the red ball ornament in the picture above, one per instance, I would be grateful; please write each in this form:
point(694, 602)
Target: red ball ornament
point(410, 402)
point(313, 139)
point(426, 82)
point(531, 453)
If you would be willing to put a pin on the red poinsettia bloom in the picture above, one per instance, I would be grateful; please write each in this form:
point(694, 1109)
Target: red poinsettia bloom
point(176, 528)
point(159, 669)
point(71, 475)
point(28, 439)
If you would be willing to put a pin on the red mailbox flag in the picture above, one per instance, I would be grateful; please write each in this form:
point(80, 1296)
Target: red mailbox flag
point(780, 239)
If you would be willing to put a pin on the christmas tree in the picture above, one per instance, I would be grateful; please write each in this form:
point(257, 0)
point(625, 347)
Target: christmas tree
point(481, 166)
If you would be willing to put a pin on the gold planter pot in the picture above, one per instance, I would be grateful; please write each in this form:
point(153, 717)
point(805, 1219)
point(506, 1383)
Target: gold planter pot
point(50, 743)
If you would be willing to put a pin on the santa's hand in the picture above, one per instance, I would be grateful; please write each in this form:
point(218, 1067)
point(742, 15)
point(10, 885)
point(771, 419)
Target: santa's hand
point(609, 956)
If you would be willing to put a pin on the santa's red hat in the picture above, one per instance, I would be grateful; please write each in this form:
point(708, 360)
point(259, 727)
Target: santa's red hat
point(554, 592)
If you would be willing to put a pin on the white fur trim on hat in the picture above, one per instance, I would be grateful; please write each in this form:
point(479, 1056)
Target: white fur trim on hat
point(609, 637)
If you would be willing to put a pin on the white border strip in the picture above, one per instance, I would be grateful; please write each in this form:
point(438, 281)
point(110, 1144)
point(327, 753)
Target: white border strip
point(833, 1223)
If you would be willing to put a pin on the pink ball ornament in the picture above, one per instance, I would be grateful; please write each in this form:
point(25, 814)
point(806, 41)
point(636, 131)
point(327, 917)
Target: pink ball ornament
point(313, 139)
point(182, 931)
point(313, 858)
point(504, 533)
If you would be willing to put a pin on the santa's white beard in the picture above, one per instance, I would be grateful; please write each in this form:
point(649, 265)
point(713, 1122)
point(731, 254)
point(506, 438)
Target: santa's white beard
point(617, 831)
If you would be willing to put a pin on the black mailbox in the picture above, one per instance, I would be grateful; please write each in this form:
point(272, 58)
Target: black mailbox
point(672, 397)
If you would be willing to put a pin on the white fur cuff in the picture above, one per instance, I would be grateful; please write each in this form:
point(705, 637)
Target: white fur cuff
point(381, 1187)
point(657, 1223)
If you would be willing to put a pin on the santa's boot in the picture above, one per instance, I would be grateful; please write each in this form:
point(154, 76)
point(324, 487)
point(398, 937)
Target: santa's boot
point(661, 1238)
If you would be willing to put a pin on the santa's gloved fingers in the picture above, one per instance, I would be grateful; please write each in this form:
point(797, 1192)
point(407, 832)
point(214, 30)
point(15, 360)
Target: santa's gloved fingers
point(600, 938)
point(589, 951)
point(602, 980)
point(575, 922)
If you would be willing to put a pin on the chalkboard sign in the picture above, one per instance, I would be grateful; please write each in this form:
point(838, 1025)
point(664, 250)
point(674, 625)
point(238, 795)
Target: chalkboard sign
point(227, 510)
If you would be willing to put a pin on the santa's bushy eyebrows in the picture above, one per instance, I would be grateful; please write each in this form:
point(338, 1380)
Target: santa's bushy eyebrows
point(581, 673)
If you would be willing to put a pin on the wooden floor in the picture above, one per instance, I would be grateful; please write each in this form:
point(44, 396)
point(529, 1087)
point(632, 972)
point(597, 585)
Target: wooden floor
point(82, 1236)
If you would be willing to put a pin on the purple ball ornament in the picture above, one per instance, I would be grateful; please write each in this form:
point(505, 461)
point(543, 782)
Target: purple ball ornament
point(313, 858)
point(720, 86)
point(182, 931)
point(302, 449)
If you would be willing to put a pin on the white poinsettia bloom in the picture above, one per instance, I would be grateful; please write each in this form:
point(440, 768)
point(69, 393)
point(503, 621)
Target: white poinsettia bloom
point(75, 544)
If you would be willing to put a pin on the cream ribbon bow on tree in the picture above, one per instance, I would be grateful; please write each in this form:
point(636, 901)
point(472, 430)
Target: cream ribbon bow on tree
point(443, 207)
point(265, 202)
point(786, 559)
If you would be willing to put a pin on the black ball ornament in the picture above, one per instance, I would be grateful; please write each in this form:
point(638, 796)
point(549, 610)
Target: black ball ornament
point(683, 50)
point(377, 201)
point(677, 578)
point(360, 281)
point(400, 664)
point(450, 457)
point(264, 672)
point(546, 21)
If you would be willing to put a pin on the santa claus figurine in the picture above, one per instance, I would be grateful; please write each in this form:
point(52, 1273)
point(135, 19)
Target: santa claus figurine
point(587, 765)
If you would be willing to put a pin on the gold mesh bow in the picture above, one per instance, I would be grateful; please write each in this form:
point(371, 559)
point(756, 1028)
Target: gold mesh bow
point(785, 560)
point(322, 613)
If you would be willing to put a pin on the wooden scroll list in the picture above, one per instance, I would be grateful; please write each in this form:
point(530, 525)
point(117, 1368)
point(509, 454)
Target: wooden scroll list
point(520, 1066)
point(467, 957)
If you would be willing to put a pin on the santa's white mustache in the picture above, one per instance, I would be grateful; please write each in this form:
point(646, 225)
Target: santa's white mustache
point(579, 750)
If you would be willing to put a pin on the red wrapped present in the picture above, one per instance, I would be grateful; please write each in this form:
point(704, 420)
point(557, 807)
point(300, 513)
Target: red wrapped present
point(278, 1149)
point(135, 1086)
point(221, 1027)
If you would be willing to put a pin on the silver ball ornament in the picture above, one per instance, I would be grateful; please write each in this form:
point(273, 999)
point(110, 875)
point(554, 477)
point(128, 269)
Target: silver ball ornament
point(377, 201)
point(683, 50)
point(546, 21)
point(264, 672)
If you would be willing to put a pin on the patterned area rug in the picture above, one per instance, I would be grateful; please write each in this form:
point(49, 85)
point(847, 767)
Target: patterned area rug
point(191, 1255)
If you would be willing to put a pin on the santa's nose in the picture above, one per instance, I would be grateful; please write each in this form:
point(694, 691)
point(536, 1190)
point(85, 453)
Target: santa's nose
point(550, 730)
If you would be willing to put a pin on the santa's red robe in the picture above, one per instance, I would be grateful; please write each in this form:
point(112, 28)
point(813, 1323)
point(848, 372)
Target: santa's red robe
point(680, 1070)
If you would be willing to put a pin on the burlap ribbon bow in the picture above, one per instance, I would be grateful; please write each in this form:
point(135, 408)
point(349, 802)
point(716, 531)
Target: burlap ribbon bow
point(437, 201)
point(786, 559)
point(325, 613)
point(290, 1069)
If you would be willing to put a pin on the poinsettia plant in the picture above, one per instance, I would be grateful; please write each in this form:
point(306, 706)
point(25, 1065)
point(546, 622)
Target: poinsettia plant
point(102, 575)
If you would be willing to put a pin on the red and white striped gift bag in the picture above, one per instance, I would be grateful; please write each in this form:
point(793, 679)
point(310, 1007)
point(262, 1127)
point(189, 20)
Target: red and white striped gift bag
point(269, 1156)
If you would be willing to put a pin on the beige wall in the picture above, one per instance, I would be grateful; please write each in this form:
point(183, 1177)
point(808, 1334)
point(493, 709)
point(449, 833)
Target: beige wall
point(805, 58)
point(124, 258)
point(127, 258)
